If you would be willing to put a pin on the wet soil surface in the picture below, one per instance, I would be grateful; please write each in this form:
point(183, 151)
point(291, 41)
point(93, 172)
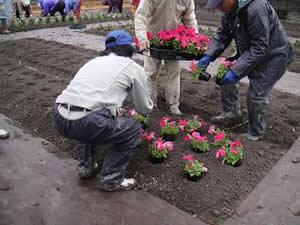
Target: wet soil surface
point(33, 72)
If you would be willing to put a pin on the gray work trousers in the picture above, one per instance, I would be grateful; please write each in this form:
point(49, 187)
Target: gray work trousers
point(262, 81)
point(101, 127)
point(172, 93)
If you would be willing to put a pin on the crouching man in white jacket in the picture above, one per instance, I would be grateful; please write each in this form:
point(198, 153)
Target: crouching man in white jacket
point(153, 16)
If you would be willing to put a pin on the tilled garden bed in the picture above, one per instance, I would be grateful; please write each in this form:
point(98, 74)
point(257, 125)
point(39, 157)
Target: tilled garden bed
point(33, 72)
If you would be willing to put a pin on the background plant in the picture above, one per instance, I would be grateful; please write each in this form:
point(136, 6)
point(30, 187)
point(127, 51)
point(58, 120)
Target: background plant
point(232, 153)
point(199, 143)
point(193, 167)
point(160, 149)
point(168, 127)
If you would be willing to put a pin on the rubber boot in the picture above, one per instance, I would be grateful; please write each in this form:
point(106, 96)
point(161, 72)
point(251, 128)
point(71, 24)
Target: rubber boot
point(226, 117)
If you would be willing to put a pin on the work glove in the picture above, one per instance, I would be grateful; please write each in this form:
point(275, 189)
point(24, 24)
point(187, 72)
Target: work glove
point(204, 61)
point(144, 45)
point(229, 77)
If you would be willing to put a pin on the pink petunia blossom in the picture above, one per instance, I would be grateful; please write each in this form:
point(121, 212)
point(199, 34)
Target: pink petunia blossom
point(193, 65)
point(132, 112)
point(173, 123)
point(163, 121)
point(150, 136)
point(196, 135)
point(212, 129)
point(149, 35)
point(205, 169)
point(192, 130)
point(188, 157)
point(202, 123)
point(182, 122)
point(238, 143)
point(187, 137)
point(169, 145)
point(219, 136)
point(233, 150)
point(159, 144)
point(196, 116)
point(220, 152)
point(181, 128)
point(136, 42)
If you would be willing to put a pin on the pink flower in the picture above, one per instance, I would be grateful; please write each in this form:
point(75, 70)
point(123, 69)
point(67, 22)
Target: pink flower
point(211, 129)
point(149, 35)
point(234, 151)
point(163, 121)
point(182, 122)
point(187, 137)
point(193, 65)
point(192, 130)
point(205, 169)
point(196, 135)
point(203, 138)
point(238, 143)
point(159, 144)
point(202, 123)
point(132, 112)
point(144, 135)
point(196, 116)
point(150, 136)
point(220, 152)
point(136, 42)
point(188, 157)
point(181, 128)
point(219, 136)
point(173, 123)
point(169, 145)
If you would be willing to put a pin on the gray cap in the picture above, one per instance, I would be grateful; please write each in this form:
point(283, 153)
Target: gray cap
point(212, 4)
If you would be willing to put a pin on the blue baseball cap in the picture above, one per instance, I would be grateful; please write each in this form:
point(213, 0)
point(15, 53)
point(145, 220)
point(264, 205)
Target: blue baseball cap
point(212, 4)
point(117, 37)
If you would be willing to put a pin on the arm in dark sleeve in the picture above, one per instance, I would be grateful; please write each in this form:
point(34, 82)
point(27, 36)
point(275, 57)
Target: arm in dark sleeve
point(259, 31)
point(221, 41)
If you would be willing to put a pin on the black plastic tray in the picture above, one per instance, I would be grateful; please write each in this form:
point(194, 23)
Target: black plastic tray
point(171, 55)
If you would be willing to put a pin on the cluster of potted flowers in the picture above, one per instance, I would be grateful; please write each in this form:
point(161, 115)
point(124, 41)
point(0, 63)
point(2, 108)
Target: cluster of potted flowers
point(182, 39)
point(25, 22)
point(230, 151)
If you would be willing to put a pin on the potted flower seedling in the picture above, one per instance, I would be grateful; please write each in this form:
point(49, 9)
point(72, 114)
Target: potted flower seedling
point(193, 169)
point(69, 18)
point(52, 20)
point(83, 17)
point(139, 117)
point(59, 19)
point(168, 129)
point(44, 20)
point(89, 16)
point(199, 143)
point(222, 69)
point(148, 136)
point(194, 124)
point(17, 23)
point(233, 154)
point(36, 21)
point(221, 139)
point(159, 150)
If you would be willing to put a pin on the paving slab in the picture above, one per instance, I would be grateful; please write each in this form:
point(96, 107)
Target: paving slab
point(38, 188)
point(276, 199)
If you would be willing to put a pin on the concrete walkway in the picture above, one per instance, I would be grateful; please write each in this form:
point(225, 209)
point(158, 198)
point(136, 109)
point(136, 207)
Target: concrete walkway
point(290, 82)
point(37, 188)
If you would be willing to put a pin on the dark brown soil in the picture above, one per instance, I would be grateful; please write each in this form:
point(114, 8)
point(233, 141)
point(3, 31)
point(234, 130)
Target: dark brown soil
point(33, 72)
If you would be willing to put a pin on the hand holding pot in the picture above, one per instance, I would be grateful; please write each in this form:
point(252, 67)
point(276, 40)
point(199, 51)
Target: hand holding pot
point(204, 61)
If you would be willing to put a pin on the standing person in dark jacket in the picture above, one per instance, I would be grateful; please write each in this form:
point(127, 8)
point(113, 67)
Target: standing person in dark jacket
point(263, 55)
point(88, 110)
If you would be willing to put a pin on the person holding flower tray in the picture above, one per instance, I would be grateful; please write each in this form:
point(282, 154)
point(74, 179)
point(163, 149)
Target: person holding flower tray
point(264, 52)
point(154, 16)
point(88, 110)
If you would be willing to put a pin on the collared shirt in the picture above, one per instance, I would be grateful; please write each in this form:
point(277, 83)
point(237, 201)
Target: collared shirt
point(105, 82)
point(156, 15)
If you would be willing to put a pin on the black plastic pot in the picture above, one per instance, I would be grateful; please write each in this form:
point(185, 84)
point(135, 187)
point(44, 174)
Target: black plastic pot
point(218, 81)
point(204, 76)
point(172, 55)
point(155, 160)
point(168, 137)
point(237, 164)
point(193, 178)
point(196, 150)
point(144, 126)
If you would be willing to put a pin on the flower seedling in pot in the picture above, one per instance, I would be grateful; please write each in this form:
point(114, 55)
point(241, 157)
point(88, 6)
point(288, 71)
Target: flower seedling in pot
point(168, 129)
point(194, 124)
point(193, 169)
point(199, 143)
point(222, 69)
point(139, 117)
point(232, 154)
point(160, 149)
